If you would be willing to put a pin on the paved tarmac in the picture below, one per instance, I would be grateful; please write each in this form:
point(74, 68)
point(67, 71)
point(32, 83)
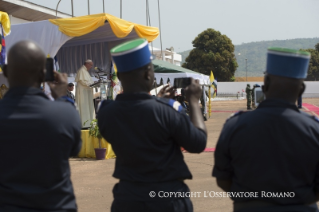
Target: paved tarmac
point(93, 181)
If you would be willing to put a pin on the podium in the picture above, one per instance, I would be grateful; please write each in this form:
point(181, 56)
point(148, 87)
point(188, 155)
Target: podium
point(97, 85)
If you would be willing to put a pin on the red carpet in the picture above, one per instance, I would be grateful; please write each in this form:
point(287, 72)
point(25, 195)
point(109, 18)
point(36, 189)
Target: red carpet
point(308, 107)
point(209, 150)
point(206, 150)
point(311, 108)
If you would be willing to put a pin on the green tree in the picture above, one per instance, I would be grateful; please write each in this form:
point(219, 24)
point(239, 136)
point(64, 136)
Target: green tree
point(313, 70)
point(212, 52)
point(256, 52)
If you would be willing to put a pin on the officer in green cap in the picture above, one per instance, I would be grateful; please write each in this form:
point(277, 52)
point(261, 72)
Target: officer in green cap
point(147, 134)
point(270, 156)
point(248, 96)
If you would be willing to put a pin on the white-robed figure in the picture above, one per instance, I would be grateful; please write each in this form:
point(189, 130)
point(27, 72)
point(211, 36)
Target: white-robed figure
point(84, 94)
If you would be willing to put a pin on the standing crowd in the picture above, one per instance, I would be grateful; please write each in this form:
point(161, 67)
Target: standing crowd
point(273, 149)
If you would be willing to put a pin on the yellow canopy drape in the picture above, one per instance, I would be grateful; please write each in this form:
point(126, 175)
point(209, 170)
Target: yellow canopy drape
point(5, 22)
point(78, 26)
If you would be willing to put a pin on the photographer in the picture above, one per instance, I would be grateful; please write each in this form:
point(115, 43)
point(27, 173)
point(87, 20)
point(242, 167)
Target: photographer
point(37, 137)
point(147, 133)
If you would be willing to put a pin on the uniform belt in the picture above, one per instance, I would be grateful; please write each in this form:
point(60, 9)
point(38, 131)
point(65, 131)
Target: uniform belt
point(5, 208)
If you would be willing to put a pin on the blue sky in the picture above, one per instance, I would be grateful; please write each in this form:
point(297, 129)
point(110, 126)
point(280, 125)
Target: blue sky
point(242, 21)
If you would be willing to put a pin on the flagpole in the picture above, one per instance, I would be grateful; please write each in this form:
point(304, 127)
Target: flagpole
point(210, 101)
point(211, 79)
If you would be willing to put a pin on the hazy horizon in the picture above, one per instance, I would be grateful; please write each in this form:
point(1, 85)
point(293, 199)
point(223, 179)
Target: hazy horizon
point(182, 20)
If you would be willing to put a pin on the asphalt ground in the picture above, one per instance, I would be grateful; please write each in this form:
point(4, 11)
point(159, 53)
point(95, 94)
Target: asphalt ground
point(93, 181)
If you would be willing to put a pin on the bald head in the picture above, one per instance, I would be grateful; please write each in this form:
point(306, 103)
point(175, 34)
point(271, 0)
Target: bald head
point(285, 88)
point(26, 65)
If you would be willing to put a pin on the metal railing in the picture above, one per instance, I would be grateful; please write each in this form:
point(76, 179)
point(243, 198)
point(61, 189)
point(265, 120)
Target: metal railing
point(231, 95)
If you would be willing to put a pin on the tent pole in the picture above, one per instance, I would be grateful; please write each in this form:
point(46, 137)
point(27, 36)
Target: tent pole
point(89, 7)
point(159, 19)
point(56, 11)
point(72, 8)
point(103, 7)
point(149, 21)
point(121, 10)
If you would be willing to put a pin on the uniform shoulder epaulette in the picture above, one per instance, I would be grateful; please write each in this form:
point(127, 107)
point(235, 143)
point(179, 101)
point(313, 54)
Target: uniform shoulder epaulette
point(310, 116)
point(236, 114)
point(171, 103)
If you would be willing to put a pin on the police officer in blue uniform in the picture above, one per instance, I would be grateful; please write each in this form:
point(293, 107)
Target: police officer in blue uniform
point(273, 151)
point(37, 137)
point(147, 134)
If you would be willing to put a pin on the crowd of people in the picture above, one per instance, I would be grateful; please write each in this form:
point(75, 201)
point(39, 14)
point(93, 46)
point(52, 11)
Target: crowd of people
point(273, 149)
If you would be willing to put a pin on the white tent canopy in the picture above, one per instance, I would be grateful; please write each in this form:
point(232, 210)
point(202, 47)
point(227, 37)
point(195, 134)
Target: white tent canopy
point(44, 33)
point(165, 70)
point(74, 50)
point(71, 51)
point(203, 79)
point(76, 39)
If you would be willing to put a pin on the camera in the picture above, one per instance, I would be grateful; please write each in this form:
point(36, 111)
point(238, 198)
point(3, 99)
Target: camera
point(49, 74)
point(182, 82)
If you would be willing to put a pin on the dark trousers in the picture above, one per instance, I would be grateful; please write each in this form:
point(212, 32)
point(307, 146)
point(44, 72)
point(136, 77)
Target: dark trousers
point(18, 209)
point(175, 205)
point(136, 197)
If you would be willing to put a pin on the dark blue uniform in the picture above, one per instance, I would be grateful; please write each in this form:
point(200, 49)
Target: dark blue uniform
point(272, 149)
point(146, 134)
point(37, 137)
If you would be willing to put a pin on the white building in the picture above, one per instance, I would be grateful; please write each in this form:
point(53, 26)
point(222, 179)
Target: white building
point(169, 55)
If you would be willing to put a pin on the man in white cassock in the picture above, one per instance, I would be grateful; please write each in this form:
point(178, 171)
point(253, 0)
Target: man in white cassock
point(84, 94)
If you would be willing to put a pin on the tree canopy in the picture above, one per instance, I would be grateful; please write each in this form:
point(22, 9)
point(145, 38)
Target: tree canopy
point(313, 70)
point(256, 54)
point(212, 52)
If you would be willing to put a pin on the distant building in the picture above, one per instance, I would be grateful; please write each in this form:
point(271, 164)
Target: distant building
point(169, 55)
point(21, 11)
